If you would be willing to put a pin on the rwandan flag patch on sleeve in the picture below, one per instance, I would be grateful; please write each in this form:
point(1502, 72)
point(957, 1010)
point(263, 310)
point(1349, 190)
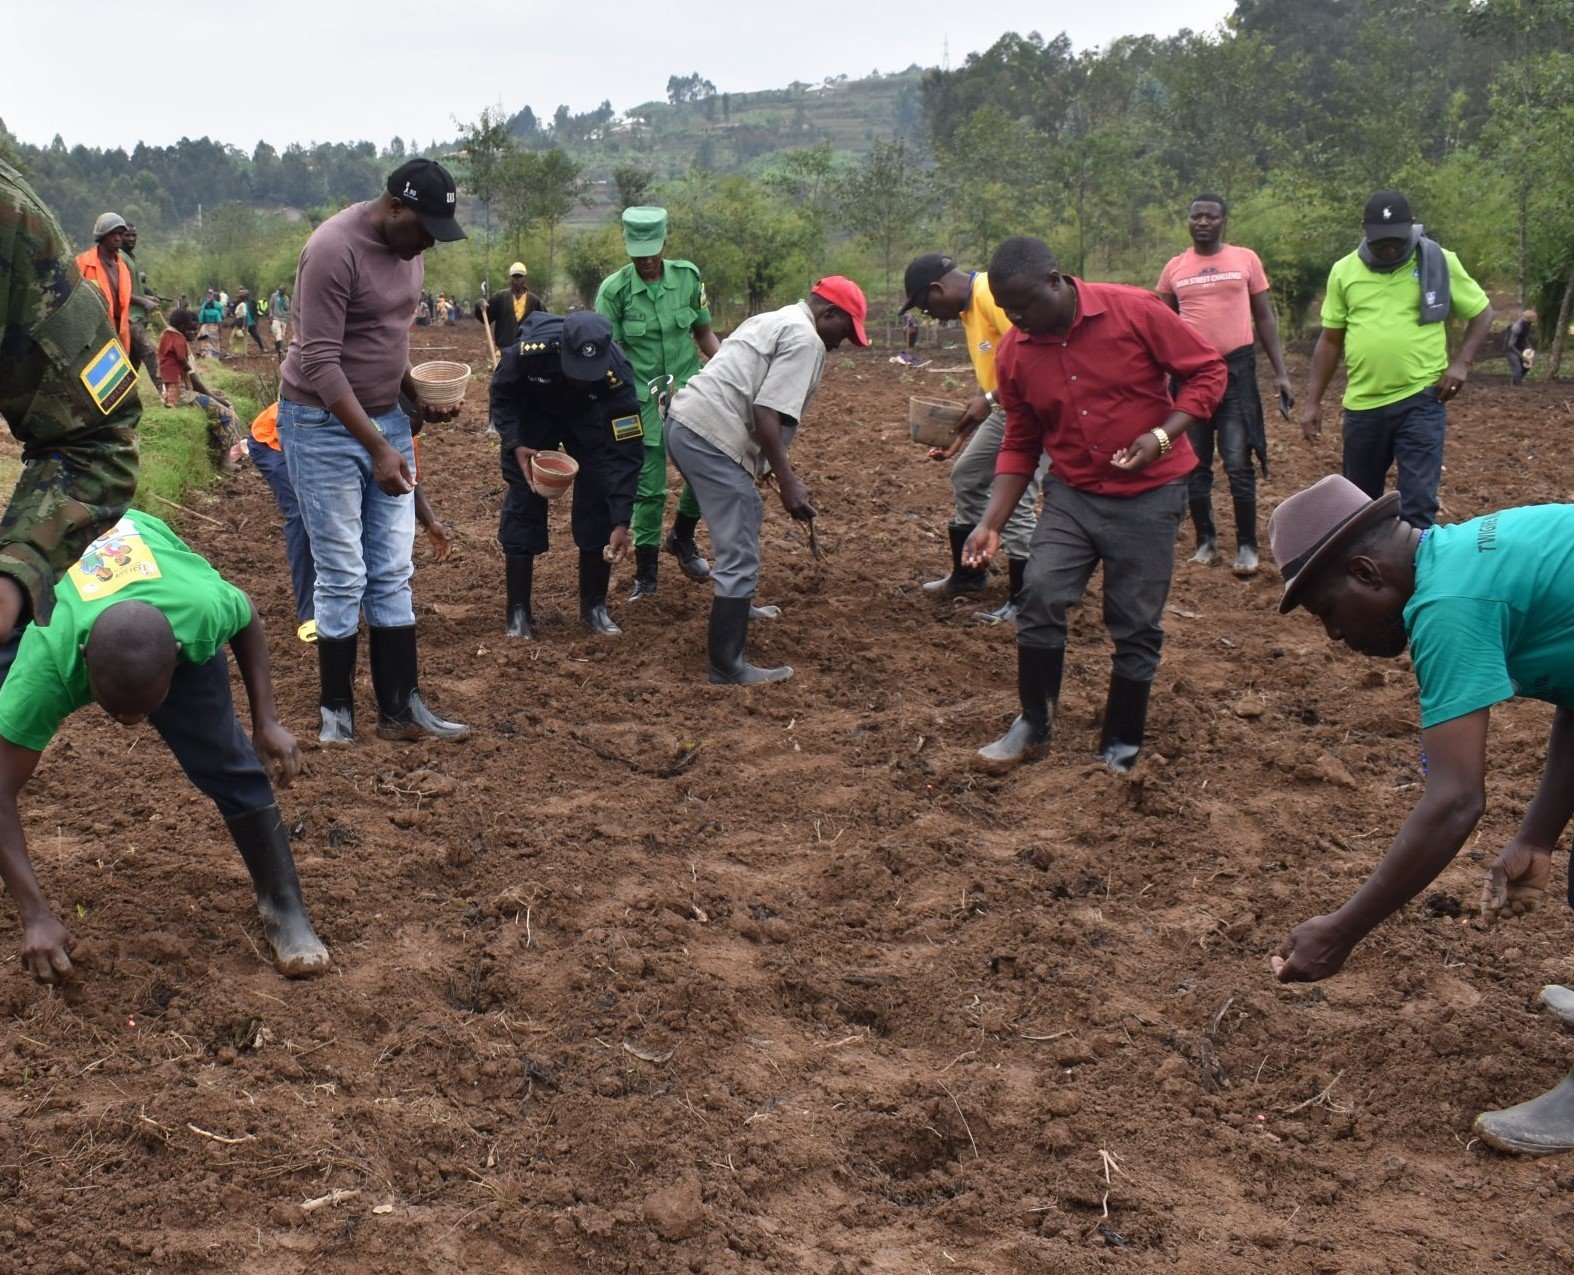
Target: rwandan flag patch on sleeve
point(626, 427)
point(109, 378)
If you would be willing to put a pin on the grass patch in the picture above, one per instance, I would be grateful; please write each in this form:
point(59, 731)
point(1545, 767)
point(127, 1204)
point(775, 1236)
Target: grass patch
point(174, 440)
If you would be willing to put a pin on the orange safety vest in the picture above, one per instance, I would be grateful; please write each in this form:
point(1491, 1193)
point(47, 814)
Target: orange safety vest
point(265, 429)
point(92, 267)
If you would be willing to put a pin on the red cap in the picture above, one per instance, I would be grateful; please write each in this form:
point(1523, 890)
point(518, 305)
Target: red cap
point(846, 295)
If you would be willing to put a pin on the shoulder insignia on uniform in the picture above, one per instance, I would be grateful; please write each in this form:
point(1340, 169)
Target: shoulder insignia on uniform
point(625, 428)
point(109, 378)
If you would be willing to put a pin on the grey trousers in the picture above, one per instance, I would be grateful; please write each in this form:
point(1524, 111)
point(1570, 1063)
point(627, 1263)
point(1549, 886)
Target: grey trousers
point(1134, 537)
point(730, 503)
point(973, 472)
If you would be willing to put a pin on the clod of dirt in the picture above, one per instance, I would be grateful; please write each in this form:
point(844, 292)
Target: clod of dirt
point(676, 1212)
point(1441, 903)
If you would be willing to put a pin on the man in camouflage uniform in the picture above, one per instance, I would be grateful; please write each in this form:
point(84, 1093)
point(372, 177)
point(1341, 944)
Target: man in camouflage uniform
point(661, 319)
point(69, 394)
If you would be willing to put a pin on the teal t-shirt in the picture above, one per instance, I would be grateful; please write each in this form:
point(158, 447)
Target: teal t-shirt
point(1389, 353)
point(139, 559)
point(1492, 615)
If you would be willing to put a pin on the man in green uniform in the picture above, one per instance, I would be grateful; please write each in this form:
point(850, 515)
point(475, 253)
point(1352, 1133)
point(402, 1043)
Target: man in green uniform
point(69, 393)
point(660, 317)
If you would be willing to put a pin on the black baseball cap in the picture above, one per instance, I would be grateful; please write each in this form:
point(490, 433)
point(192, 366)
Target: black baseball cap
point(426, 186)
point(587, 345)
point(1387, 216)
point(922, 274)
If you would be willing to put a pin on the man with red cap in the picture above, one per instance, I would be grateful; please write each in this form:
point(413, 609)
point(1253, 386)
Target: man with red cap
point(732, 424)
point(1486, 609)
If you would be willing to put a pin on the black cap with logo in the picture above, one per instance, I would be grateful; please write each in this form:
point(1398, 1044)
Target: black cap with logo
point(922, 274)
point(426, 186)
point(1387, 216)
point(587, 345)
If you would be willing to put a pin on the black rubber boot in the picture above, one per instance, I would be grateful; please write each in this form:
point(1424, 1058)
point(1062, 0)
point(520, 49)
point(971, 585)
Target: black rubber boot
point(1247, 562)
point(726, 639)
point(680, 543)
point(647, 558)
point(1207, 534)
point(264, 847)
point(1125, 723)
point(1039, 673)
point(1542, 1126)
point(401, 712)
point(1006, 612)
point(962, 580)
point(595, 574)
point(521, 570)
point(336, 673)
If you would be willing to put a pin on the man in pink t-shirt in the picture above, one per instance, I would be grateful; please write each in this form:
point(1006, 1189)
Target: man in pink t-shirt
point(1221, 291)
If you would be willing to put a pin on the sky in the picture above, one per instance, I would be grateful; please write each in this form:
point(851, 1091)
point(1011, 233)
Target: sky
point(331, 70)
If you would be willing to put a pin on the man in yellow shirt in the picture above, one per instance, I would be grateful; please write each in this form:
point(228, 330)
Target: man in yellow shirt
point(505, 311)
point(938, 287)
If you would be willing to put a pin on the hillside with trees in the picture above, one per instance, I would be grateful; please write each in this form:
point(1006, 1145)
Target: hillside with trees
point(1293, 111)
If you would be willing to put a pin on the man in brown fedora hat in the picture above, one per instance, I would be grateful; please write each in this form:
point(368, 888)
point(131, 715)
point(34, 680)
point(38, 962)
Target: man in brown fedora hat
point(1487, 610)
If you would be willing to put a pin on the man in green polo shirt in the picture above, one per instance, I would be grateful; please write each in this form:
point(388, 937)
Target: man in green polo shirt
point(1386, 310)
point(1486, 608)
point(661, 318)
point(139, 625)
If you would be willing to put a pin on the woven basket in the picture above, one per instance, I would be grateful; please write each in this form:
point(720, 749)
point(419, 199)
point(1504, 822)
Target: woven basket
point(552, 473)
point(441, 383)
point(932, 421)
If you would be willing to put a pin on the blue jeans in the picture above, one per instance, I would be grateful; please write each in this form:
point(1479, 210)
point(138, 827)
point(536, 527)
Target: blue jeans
point(361, 538)
point(297, 547)
point(1410, 432)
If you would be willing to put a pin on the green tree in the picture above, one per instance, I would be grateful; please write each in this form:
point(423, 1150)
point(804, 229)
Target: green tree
point(633, 182)
point(882, 201)
point(485, 148)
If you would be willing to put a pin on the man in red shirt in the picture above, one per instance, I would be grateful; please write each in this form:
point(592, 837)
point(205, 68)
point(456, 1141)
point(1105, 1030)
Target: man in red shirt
point(1084, 375)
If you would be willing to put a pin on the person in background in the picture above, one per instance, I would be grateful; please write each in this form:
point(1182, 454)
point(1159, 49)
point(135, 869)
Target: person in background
point(505, 311)
point(1386, 311)
point(1517, 348)
point(938, 287)
point(183, 387)
point(660, 318)
point(210, 320)
point(266, 454)
point(279, 319)
point(1221, 290)
point(101, 265)
point(143, 303)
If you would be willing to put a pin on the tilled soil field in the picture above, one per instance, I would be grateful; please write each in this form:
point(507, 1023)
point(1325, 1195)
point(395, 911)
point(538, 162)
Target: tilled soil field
point(656, 976)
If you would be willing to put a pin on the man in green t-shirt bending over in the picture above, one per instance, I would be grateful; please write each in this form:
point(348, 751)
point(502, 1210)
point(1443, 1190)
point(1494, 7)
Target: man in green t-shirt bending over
point(1385, 311)
point(139, 626)
point(1487, 610)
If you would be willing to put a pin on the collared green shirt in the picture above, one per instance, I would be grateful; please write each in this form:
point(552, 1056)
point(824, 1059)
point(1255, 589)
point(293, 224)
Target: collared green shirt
point(655, 322)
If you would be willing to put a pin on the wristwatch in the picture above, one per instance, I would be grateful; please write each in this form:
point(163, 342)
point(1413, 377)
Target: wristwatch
point(989, 397)
point(1164, 440)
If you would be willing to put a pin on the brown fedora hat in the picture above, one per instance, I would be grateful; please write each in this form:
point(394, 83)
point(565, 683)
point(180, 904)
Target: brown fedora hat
point(1308, 529)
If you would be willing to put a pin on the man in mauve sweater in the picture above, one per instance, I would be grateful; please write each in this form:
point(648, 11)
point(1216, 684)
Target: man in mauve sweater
point(350, 448)
point(1084, 375)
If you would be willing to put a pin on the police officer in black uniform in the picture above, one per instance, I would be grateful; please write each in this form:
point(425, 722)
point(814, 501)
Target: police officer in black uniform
point(564, 380)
